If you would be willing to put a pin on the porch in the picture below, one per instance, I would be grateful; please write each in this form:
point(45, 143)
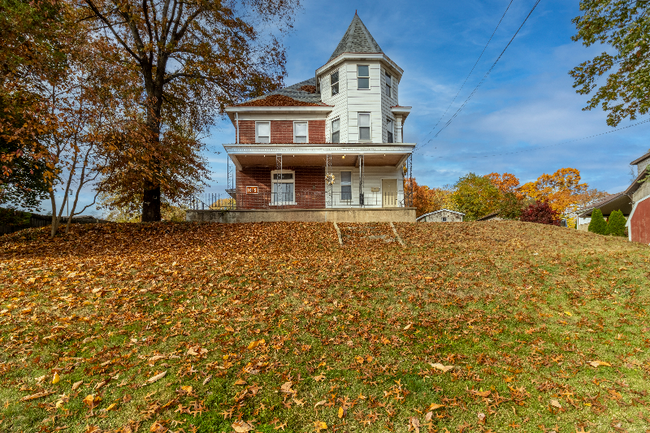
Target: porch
point(303, 215)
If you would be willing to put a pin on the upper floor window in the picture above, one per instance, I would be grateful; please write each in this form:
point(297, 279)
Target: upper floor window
point(300, 132)
point(364, 126)
point(334, 82)
point(389, 84)
point(262, 132)
point(363, 76)
point(336, 131)
point(389, 130)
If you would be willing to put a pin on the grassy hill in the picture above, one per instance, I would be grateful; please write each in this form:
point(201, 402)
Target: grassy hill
point(500, 326)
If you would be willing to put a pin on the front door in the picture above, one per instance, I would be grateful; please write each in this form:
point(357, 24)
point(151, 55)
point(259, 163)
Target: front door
point(389, 192)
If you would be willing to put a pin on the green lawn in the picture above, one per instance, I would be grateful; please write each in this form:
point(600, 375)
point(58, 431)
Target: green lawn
point(500, 326)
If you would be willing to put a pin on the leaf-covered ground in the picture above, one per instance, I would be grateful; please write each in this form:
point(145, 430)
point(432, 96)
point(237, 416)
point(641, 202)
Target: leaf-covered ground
point(500, 327)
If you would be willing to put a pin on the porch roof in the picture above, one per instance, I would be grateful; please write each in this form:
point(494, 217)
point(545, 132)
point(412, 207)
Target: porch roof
point(304, 155)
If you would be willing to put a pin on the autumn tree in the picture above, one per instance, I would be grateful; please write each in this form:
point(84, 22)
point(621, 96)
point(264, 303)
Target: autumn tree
point(427, 199)
point(621, 26)
point(541, 212)
point(192, 59)
point(476, 196)
point(511, 200)
point(33, 52)
point(561, 189)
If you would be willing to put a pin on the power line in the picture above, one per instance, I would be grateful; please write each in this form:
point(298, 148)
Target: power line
point(473, 67)
point(534, 148)
point(488, 72)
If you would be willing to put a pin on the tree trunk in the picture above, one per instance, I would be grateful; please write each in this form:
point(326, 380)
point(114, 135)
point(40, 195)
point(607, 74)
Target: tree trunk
point(151, 195)
point(151, 203)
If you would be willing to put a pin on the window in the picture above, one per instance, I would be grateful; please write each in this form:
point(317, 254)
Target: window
point(364, 126)
point(389, 130)
point(363, 76)
point(346, 185)
point(300, 132)
point(262, 132)
point(444, 219)
point(282, 183)
point(336, 131)
point(389, 84)
point(334, 81)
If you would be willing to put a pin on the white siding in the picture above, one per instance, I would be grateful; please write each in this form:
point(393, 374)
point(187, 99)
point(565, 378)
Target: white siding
point(372, 179)
point(339, 101)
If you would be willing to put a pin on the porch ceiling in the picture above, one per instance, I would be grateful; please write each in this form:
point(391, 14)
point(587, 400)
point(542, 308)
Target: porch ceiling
point(392, 160)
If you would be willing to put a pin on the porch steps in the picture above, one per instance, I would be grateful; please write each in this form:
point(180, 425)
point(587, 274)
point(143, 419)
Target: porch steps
point(368, 234)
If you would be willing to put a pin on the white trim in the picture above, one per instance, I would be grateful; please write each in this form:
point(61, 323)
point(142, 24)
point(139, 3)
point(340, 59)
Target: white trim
point(363, 58)
point(331, 148)
point(293, 182)
point(437, 211)
point(363, 76)
point(629, 218)
point(306, 132)
point(282, 109)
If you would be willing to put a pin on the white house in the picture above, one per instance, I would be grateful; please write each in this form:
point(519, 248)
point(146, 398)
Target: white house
point(332, 141)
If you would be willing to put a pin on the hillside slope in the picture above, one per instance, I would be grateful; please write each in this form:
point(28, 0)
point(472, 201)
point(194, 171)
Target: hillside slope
point(500, 326)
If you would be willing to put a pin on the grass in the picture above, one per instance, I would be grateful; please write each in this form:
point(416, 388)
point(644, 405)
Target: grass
point(499, 326)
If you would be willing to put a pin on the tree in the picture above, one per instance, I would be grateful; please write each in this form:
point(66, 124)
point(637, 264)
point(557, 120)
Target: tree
point(506, 182)
point(541, 212)
point(427, 199)
point(622, 26)
point(475, 196)
point(561, 189)
point(33, 52)
point(192, 59)
point(511, 200)
point(616, 224)
point(597, 223)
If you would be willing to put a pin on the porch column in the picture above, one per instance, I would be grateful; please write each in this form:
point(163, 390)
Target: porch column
point(398, 129)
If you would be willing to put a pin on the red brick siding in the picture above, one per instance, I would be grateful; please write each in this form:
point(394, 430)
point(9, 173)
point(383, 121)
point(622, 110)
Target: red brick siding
point(317, 131)
point(281, 131)
point(640, 224)
point(309, 187)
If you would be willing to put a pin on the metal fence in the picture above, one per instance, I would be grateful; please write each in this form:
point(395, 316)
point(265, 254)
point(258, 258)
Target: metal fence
point(212, 201)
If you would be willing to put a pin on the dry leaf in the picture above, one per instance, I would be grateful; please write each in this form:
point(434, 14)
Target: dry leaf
point(556, 403)
point(407, 327)
point(341, 412)
point(240, 382)
point(481, 393)
point(156, 377)
point(320, 403)
point(111, 407)
point(92, 400)
point(37, 395)
point(320, 425)
point(207, 379)
point(481, 418)
point(286, 387)
point(187, 389)
point(435, 406)
point(414, 424)
point(428, 416)
point(77, 385)
point(596, 364)
point(56, 379)
point(242, 426)
point(441, 367)
point(319, 377)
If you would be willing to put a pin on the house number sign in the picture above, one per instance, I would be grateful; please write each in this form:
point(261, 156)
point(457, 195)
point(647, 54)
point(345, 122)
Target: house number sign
point(251, 190)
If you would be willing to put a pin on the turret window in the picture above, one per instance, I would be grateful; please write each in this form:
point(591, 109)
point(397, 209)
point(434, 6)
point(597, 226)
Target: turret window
point(389, 84)
point(389, 130)
point(364, 126)
point(363, 76)
point(336, 131)
point(334, 80)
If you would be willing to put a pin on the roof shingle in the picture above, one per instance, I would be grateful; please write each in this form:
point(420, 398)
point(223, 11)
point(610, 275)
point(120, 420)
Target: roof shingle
point(357, 39)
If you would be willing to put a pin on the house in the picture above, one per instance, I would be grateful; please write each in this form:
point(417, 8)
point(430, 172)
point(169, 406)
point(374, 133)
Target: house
point(494, 216)
point(331, 142)
point(619, 201)
point(442, 216)
point(638, 223)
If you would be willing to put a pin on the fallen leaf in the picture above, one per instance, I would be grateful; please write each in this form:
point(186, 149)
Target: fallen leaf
point(319, 377)
point(481, 417)
point(111, 407)
point(481, 393)
point(435, 406)
point(240, 382)
point(286, 387)
point(77, 385)
point(428, 416)
point(320, 403)
point(187, 389)
point(156, 377)
point(441, 367)
point(341, 412)
point(92, 400)
point(37, 395)
point(407, 327)
point(556, 403)
point(596, 364)
point(56, 379)
point(320, 425)
point(207, 379)
point(242, 426)
point(414, 424)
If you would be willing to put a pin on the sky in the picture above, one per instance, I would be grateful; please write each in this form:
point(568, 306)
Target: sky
point(525, 119)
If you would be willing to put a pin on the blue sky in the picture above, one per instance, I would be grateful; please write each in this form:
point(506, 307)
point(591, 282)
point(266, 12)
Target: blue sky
point(527, 102)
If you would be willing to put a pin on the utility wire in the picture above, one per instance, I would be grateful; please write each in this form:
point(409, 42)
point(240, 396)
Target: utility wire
point(488, 72)
point(560, 143)
point(473, 67)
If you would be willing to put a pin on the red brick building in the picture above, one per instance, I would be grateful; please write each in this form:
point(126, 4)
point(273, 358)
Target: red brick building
point(332, 141)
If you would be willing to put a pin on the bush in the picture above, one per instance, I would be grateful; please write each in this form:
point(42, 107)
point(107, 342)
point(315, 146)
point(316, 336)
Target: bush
point(597, 223)
point(616, 225)
point(541, 212)
point(12, 217)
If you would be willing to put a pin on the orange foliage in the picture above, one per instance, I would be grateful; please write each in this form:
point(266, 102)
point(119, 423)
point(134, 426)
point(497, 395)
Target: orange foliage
point(427, 199)
point(562, 189)
point(506, 183)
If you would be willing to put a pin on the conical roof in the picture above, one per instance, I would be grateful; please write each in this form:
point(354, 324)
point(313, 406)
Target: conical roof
point(357, 39)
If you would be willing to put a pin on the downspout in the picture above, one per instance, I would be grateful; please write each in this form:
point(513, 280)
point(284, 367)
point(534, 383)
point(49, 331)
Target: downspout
point(237, 126)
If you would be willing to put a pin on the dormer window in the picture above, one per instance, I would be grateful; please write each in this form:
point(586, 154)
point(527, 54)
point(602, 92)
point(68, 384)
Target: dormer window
point(363, 76)
point(389, 84)
point(336, 131)
point(364, 126)
point(334, 81)
point(300, 132)
point(262, 132)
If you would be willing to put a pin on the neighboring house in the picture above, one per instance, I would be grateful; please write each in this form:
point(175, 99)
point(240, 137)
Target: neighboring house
point(638, 223)
point(619, 201)
point(332, 141)
point(494, 216)
point(441, 216)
